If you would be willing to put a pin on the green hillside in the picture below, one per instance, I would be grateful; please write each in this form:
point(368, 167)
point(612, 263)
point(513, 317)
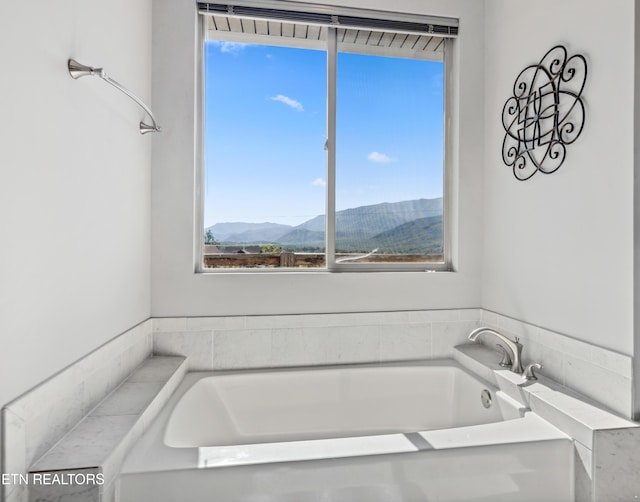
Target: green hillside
point(407, 227)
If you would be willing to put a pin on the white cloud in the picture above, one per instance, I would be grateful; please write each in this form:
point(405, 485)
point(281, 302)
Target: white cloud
point(229, 47)
point(296, 105)
point(319, 182)
point(379, 157)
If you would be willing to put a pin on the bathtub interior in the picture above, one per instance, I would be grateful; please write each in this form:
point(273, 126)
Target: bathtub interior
point(308, 404)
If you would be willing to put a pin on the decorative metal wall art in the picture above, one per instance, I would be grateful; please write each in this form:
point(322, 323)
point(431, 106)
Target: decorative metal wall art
point(544, 114)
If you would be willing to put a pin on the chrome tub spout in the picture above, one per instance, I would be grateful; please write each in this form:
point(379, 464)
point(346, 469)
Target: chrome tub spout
point(515, 347)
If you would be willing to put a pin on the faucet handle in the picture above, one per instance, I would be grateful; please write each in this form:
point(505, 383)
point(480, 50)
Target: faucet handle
point(529, 373)
point(506, 361)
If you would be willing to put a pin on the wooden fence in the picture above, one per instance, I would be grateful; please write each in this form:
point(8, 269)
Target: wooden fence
point(302, 260)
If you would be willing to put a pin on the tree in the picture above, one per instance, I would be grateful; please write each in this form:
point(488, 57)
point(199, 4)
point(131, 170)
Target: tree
point(209, 238)
point(269, 248)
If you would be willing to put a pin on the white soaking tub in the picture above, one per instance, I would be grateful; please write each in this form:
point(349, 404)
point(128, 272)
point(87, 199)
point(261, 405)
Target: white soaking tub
point(388, 432)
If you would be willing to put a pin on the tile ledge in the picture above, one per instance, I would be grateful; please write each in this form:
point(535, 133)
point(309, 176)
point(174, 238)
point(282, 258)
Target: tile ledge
point(589, 413)
point(169, 370)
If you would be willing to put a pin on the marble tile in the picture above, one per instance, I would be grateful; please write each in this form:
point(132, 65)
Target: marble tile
point(355, 319)
point(211, 323)
point(446, 335)
point(235, 349)
point(156, 369)
point(298, 346)
point(477, 359)
point(322, 320)
point(112, 463)
point(19, 493)
point(164, 395)
point(131, 398)
point(60, 413)
point(108, 492)
point(102, 356)
point(551, 359)
point(104, 378)
point(103, 439)
point(585, 412)
point(574, 348)
point(391, 318)
point(405, 342)
point(88, 444)
point(105, 368)
point(433, 316)
point(135, 355)
point(284, 321)
point(353, 344)
point(36, 400)
point(611, 389)
point(573, 413)
point(489, 318)
point(617, 464)
point(470, 315)
point(612, 361)
point(44, 488)
point(583, 465)
point(53, 408)
point(513, 386)
point(196, 346)
point(549, 339)
point(516, 327)
point(129, 338)
point(14, 448)
point(378, 319)
point(598, 373)
point(169, 324)
point(543, 405)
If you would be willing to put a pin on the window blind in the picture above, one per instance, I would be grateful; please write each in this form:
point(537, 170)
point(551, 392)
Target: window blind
point(358, 30)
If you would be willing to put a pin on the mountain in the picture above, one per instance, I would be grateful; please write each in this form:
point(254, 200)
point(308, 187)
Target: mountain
point(301, 237)
point(258, 235)
point(421, 236)
point(377, 218)
point(248, 232)
point(361, 229)
point(412, 226)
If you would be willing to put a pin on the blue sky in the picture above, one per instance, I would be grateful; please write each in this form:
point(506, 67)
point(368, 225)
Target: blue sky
point(265, 128)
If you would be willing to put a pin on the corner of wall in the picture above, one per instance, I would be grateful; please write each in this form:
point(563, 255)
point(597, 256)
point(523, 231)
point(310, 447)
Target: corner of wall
point(636, 217)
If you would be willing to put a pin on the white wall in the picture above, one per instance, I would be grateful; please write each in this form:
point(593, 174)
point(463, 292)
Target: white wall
point(74, 190)
point(177, 291)
point(558, 249)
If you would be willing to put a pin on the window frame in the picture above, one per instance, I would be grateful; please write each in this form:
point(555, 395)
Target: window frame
point(331, 265)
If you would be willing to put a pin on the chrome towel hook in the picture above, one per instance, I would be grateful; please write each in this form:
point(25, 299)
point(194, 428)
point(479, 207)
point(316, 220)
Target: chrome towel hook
point(77, 70)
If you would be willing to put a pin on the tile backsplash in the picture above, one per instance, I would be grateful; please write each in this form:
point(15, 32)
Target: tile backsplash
point(595, 372)
point(38, 419)
point(241, 342)
point(34, 422)
point(216, 343)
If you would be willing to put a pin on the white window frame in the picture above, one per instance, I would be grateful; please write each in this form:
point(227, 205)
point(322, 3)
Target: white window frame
point(330, 195)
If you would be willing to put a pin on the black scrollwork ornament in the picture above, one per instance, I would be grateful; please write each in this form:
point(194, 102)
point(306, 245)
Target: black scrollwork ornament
point(544, 114)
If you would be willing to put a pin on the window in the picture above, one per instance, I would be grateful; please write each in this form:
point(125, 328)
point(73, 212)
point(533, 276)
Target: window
point(323, 139)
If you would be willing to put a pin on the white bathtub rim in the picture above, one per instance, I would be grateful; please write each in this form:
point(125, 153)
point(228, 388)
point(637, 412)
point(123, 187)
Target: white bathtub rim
point(529, 428)
point(150, 454)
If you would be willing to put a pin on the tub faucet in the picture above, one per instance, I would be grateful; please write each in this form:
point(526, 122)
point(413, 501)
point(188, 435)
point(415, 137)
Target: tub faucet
point(514, 347)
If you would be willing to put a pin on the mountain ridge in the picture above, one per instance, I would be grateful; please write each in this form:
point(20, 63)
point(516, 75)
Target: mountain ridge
point(414, 225)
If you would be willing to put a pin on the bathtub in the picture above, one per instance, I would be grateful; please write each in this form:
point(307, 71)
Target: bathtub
point(387, 432)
